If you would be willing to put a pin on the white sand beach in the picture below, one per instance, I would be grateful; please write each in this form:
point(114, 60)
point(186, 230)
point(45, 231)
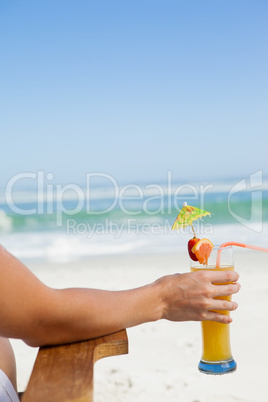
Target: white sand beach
point(163, 356)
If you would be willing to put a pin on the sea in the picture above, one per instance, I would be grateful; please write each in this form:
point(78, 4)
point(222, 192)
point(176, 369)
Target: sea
point(47, 221)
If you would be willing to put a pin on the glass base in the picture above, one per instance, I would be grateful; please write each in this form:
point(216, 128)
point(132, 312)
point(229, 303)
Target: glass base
point(223, 367)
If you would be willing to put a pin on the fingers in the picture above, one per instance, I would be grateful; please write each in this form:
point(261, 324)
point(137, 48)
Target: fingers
point(215, 313)
point(223, 305)
point(220, 305)
point(224, 276)
point(226, 290)
point(222, 318)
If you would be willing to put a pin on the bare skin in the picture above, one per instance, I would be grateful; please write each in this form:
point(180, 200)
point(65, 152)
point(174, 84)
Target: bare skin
point(7, 361)
point(41, 315)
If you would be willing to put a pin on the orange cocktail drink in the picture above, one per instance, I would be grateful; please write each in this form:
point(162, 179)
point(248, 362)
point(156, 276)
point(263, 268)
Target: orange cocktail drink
point(216, 356)
point(216, 336)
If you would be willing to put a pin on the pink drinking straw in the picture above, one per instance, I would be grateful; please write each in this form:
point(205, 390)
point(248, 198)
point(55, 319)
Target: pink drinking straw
point(235, 243)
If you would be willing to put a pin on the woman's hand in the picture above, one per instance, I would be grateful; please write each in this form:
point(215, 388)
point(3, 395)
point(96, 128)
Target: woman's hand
point(192, 296)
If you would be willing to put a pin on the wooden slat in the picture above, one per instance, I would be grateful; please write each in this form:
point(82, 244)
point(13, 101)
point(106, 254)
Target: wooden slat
point(65, 373)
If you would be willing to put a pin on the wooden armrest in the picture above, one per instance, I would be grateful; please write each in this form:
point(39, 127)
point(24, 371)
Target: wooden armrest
point(65, 372)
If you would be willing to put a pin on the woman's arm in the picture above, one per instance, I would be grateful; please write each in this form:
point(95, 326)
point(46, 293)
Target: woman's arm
point(41, 315)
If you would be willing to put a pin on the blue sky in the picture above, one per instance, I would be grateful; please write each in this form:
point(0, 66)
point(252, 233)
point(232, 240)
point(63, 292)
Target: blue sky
point(134, 88)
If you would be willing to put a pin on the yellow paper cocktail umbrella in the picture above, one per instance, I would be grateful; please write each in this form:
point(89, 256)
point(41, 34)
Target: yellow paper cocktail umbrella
point(187, 215)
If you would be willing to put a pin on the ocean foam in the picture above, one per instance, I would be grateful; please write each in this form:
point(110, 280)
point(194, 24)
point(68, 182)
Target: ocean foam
point(5, 222)
point(60, 247)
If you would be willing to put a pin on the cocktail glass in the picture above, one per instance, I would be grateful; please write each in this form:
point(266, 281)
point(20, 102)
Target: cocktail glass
point(216, 357)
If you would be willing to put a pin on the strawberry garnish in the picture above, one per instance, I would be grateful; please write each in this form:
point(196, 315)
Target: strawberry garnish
point(191, 244)
point(202, 250)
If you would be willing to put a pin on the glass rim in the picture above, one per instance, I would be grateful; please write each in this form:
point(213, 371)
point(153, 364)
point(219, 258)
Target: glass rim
point(218, 247)
point(225, 255)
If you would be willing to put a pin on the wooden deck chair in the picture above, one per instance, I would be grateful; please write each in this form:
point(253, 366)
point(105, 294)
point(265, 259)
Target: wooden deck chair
point(65, 372)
